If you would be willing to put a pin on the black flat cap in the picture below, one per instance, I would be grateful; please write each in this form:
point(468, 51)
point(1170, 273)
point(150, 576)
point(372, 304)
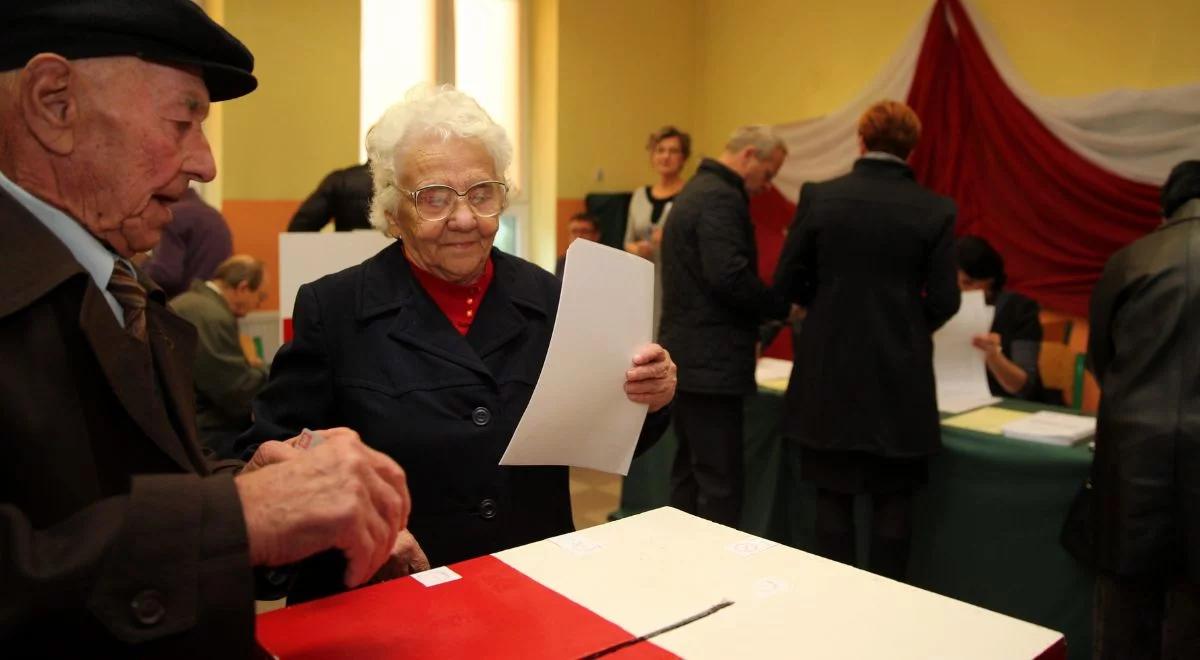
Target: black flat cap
point(165, 31)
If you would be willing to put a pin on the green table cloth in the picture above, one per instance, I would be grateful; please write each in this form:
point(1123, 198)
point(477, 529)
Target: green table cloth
point(985, 527)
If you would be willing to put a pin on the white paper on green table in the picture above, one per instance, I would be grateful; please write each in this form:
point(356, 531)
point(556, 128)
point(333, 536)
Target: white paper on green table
point(958, 366)
point(579, 414)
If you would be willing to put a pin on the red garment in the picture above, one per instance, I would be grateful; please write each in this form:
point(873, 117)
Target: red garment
point(459, 303)
point(1054, 215)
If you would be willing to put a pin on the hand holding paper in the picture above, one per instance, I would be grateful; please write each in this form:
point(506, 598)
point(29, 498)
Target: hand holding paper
point(601, 372)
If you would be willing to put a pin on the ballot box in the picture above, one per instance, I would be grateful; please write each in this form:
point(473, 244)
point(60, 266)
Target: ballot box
point(708, 591)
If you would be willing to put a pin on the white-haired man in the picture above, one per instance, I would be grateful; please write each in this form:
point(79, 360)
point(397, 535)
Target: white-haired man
point(713, 303)
point(118, 537)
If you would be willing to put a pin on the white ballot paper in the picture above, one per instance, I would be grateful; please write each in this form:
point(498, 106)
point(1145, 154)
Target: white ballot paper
point(957, 364)
point(579, 414)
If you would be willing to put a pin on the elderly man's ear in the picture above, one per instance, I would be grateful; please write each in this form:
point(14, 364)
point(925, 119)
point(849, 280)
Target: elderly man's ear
point(48, 104)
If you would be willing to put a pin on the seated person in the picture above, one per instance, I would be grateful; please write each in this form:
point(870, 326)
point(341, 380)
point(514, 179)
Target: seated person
point(582, 225)
point(433, 346)
point(225, 381)
point(1011, 348)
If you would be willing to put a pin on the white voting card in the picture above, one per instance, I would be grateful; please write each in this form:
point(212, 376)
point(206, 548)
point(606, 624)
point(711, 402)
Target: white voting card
point(579, 414)
point(957, 364)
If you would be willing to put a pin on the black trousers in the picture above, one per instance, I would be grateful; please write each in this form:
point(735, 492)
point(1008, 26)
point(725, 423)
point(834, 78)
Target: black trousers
point(1146, 618)
point(891, 531)
point(706, 477)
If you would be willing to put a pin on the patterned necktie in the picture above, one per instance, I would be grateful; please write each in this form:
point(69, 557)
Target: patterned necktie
point(126, 289)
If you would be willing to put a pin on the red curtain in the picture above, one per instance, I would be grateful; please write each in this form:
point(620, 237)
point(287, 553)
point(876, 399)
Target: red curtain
point(1054, 215)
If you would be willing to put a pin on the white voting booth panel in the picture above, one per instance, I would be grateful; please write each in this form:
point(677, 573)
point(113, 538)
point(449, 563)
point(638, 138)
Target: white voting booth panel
point(305, 257)
point(647, 571)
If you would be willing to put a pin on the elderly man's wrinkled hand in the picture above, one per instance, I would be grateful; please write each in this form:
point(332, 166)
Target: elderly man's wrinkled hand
point(406, 558)
point(652, 379)
point(340, 494)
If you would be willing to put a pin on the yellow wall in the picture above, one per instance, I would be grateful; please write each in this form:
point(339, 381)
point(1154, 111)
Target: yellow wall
point(302, 121)
point(626, 67)
point(541, 19)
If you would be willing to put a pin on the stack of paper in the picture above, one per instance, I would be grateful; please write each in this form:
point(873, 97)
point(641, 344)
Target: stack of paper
point(1052, 427)
point(957, 364)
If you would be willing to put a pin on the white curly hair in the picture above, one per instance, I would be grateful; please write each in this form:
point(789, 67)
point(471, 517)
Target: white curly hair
point(427, 110)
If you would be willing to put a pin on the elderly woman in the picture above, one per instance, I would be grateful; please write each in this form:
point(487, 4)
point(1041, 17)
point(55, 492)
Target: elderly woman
point(431, 348)
point(1012, 344)
point(669, 149)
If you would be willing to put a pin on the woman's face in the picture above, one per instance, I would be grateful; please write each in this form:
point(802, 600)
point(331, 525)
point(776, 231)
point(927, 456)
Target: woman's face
point(455, 249)
point(667, 156)
point(968, 283)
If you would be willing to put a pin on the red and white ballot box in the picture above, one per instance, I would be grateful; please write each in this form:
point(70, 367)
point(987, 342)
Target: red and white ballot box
point(305, 257)
point(727, 594)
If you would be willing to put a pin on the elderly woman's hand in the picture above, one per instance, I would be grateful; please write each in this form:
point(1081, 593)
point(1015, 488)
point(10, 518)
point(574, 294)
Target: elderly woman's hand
point(652, 378)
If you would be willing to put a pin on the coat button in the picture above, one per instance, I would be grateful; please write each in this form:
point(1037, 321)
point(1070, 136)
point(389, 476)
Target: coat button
point(487, 509)
point(148, 609)
point(481, 416)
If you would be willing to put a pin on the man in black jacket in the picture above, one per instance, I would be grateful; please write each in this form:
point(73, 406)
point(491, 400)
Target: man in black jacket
point(713, 303)
point(343, 196)
point(1145, 329)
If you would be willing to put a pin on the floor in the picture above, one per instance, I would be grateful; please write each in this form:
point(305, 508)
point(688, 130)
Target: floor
point(594, 495)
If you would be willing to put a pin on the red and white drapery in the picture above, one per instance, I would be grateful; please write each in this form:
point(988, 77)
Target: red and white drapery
point(1057, 185)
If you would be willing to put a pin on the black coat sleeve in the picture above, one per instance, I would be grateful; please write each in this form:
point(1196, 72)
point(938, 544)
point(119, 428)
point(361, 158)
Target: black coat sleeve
point(315, 212)
point(725, 261)
point(1104, 305)
point(795, 274)
point(300, 391)
point(181, 536)
point(942, 296)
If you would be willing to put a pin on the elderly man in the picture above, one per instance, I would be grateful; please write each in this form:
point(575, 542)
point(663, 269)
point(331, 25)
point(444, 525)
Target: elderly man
point(117, 537)
point(1146, 475)
point(713, 303)
point(225, 381)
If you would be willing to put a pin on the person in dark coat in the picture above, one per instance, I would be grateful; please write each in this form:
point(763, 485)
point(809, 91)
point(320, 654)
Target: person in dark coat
point(119, 537)
point(432, 347)
point(195, 242)
point(1012, 345)
point(343, 195)
point(1144, 347)
point(713, 303)
point(871, 257)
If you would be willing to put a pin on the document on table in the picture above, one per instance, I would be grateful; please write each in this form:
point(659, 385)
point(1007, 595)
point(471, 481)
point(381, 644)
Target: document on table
point(986, 420)
point(579, 414)
point(1053, 428)
point(957, 364)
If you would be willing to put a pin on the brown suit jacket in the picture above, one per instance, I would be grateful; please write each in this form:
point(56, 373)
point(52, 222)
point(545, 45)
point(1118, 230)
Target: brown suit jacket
point(117, 536)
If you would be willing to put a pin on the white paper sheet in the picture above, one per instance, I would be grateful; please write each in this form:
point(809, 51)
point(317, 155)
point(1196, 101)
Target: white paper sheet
point(957, 364)
point(769, 369)
point(579, 414)
point(1051, 427)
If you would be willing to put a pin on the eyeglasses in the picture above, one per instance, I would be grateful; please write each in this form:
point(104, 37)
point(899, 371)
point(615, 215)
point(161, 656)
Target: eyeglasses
point(435, 203)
